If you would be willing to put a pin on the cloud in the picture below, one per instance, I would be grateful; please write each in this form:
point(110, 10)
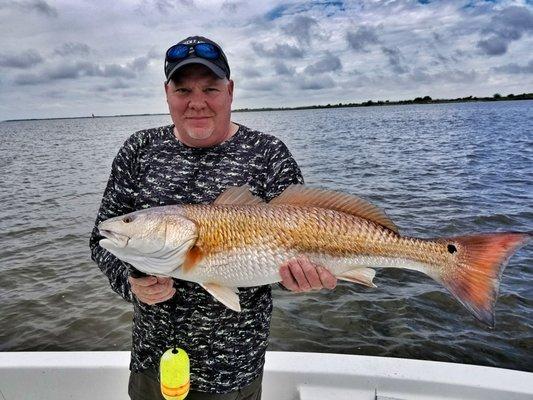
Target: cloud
point(72, 48)
point(164, 6)
point(76, 70)
point(493, 46)
point(301, 28)
point(395, 59)
point(27, 79)
point(514, 68)
point(509, 25)
point(326, 64)
point(305, 83)
point(140, 64)
point(38, 6)
point(249, 72)
point(282, 69)
point(361, 38)
point(278, 51)
point(116, 84)
point(420, 75)
point(262, 85)
point(22, 60)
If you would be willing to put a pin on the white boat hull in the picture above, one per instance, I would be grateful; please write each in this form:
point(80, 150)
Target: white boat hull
point(288, 376)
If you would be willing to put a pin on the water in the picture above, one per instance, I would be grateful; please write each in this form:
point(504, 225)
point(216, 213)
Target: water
point(437, 170)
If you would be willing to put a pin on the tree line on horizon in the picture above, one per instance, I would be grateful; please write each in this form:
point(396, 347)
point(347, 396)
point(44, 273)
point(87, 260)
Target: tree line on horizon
point(417, 100)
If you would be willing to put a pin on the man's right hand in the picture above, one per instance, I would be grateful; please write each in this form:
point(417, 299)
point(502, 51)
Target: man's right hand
point(152, 289)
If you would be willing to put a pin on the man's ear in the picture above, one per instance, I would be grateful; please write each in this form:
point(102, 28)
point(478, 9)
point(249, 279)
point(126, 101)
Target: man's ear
point(230, 87)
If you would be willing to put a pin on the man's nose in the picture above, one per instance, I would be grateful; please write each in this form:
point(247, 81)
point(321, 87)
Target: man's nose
point(197, 100)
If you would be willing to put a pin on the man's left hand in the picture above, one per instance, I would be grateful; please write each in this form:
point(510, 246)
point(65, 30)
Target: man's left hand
point(300, 275)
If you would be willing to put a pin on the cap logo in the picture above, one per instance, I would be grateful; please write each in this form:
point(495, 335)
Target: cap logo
point(191, 41)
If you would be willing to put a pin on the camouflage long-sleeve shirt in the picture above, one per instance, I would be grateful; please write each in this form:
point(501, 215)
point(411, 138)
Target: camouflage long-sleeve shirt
point(153, 168)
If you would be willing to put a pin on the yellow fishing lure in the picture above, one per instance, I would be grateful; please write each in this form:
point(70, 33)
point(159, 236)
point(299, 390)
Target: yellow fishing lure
point(174, 372)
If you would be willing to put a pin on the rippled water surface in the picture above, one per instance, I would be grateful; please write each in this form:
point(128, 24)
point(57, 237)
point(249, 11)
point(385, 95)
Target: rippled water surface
point(437, 170)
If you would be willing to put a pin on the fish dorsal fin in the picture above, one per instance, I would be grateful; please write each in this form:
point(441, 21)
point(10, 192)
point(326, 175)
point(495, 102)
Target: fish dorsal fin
point(337, 201)
point(238, 195)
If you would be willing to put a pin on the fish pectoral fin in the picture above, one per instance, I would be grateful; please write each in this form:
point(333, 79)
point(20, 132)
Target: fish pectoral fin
point(361, 275)
point(192, 258)
point(224, 294)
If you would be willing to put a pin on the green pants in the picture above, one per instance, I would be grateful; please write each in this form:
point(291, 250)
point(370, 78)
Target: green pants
point(142, 386)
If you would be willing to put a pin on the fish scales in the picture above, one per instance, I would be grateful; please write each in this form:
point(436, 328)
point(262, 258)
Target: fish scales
point(278, 230)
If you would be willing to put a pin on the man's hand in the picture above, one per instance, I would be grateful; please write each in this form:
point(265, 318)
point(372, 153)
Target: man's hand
point(300, 275)
point(152, 289)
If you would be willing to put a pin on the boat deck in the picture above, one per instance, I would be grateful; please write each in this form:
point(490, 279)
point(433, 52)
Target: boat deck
point(288, 376)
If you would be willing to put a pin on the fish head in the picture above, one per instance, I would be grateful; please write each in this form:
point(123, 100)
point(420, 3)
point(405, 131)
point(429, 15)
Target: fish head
point(154, 241)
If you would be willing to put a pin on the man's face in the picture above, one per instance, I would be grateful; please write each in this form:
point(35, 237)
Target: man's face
point(200, 106)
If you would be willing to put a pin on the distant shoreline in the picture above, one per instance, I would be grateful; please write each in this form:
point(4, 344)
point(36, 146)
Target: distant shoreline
point(369, 103)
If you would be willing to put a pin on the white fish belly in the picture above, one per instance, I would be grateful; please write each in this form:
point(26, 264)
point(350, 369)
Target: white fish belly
point(256, 268)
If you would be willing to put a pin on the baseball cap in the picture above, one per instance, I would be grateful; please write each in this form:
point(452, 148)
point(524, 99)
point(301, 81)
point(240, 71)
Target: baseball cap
point(196, 50)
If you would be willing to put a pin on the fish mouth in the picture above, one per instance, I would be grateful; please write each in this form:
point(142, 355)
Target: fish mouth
point(116, 239)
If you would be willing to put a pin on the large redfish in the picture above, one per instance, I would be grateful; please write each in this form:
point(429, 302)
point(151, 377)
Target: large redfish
point(240, 241)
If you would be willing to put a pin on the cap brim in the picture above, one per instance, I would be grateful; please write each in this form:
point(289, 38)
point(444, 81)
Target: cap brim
point(197, 60)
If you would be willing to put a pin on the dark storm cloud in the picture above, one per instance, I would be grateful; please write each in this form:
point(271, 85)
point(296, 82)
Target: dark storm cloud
point(301, 28)
point(361, 38)
point(395, 59)
point(327, 64)
point(278, 51)
point(22, 60)
point(72, 48)
point(282, 69)
point(509, 25)
point(514, 68)
point(38, 6)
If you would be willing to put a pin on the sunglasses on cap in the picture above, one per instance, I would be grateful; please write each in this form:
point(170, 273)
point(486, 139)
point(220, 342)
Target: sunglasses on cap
point(204, 50)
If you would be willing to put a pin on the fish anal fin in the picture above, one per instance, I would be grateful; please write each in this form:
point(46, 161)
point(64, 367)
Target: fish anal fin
point(224, 294)
point(337, 201)
point(192, 258)
point(238, 195)
point(362, 275)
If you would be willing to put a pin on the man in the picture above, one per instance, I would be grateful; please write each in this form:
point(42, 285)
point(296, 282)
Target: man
point(193, 161)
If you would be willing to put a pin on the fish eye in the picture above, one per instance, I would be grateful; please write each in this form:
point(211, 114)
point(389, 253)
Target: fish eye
point(452, 249)
point(127, 220)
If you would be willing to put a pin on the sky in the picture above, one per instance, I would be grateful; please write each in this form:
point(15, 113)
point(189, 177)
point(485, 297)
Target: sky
point(77, 58)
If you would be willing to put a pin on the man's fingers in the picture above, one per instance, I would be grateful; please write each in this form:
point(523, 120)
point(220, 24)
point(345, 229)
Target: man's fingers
point(154, 299)
point(300, 275)
point(151, 289)
point(287, 279)
point(155, 288)
point(311, 274)
point(144, 281)
point(329, 281)
point(298, 272)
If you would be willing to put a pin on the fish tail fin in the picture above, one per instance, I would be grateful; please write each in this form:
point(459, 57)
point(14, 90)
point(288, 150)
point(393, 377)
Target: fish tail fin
point(474, 279)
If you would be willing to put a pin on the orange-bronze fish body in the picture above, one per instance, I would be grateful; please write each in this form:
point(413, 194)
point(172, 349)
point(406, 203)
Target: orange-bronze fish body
point(239, 241)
